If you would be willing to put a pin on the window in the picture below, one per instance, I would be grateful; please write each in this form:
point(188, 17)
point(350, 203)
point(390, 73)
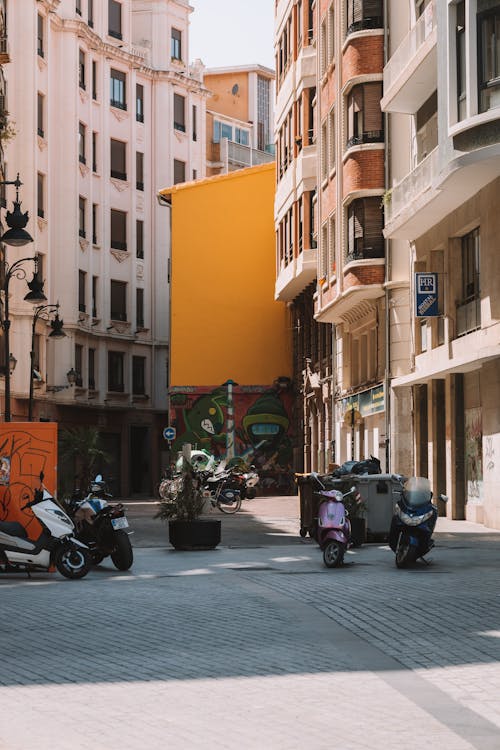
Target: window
point(117, 95)
point(469, 307)
point(179, 171)
point(222, 130)
point(118, 160)
point(364, 116)
point(331, 140)
point(324, 151)
point(195, 174)
point(300, 23)
point(81, 143)
point(90, 13)
point(364, 223)
point(114, 19)
point(91, 365)
point(94, 80)
point(364, 14)
point(489, 59)
point(195, 122)
point(118, 300)
point(82, 279)
point(40, 37)
point(139, 308)
point(78, 364)
point(81, 216)
point(78, 7)
point(139, 103)
point(241, 136)
point(94, 223)
point(115, 372)
point(81, 69)
point(323, 47)
point(138, 379)
point(40, 108)
point(331, 34)
point(179, 113)
point(40, 195)
point(139, 239)
point(139, 170)
point(94, 296)
point(94, 152)
point(176, 45)
point(118, 229)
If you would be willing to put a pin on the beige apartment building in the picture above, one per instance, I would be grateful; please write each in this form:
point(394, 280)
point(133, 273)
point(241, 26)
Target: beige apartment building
point(107, 111)
point(442, 98)
point(240, 117)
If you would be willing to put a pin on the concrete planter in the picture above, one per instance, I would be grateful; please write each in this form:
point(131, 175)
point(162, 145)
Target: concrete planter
point(194, 535)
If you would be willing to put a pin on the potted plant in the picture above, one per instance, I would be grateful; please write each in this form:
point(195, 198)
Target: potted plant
point(181, 506)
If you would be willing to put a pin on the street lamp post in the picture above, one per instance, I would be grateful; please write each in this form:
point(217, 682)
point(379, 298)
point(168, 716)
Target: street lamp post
point(17, 236)
point(43, 312)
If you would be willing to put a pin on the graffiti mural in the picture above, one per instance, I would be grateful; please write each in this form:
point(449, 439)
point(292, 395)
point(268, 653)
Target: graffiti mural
point(26, 450)
point(474, 455)
point(262, 437)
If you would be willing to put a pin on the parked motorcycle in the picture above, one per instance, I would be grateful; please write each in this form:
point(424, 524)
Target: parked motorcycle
point(415, 515)
point(102, 526)
point(250, 481)
point(223, 488)
point(56, 546)
point(333, 530)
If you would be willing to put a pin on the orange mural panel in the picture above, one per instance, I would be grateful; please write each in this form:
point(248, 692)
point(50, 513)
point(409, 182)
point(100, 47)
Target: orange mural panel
point(26, 449)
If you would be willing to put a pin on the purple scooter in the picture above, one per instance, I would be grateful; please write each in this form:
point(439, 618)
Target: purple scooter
point(334, 528)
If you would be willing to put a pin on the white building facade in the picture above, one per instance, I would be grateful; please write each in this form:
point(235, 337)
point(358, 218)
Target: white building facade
point(442, 96)
point(107, 112)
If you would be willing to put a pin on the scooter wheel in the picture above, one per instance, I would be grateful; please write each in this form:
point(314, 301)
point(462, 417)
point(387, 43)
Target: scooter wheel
point(405, 554)
point(303, 532)
point(333, 554)
point(72, 561)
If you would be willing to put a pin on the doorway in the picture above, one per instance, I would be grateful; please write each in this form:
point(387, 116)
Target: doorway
point(140, 460)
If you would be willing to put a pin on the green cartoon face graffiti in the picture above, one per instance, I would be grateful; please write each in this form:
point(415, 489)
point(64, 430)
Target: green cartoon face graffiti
point(204, 421)
point(266, 421)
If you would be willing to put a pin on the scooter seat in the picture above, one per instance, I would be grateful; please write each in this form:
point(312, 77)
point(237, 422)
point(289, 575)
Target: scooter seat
point(13, 528)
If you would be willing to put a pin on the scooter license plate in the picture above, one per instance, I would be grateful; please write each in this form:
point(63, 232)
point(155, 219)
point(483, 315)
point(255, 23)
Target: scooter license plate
point(119, 523)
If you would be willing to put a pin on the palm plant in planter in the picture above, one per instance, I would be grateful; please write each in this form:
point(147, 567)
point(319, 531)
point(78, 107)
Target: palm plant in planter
point(181, 506)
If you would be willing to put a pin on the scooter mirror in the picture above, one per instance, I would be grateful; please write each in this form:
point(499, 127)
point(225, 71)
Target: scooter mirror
point(443, 498)
point(98, 478)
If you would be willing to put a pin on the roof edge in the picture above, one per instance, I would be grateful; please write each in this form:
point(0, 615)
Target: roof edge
point(166, 193)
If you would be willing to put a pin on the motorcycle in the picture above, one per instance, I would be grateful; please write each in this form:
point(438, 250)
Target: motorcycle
point(412, 525)
point(333, 530)
point(250, 481)
point(223, 488)
point(102, 526)
point(56, 546)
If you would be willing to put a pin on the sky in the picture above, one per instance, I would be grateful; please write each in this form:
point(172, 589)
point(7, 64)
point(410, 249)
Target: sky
point(232, 32)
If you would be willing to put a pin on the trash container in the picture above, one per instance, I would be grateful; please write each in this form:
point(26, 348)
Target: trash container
point(308, 503)
point(380, 493)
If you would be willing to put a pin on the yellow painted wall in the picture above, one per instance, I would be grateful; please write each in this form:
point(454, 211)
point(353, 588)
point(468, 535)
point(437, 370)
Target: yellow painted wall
point(225, 322)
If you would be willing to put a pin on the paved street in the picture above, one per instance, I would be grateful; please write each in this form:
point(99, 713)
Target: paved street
point(257, 645)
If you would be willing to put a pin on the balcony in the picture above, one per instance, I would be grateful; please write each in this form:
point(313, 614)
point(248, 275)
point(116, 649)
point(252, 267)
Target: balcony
point(294, 277)
point(305, 68)
point(363, 282)
point(410, 75)
point(434, 189)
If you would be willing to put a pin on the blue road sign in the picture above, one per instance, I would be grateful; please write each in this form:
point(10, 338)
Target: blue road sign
point(169, 433)
point(426, 295)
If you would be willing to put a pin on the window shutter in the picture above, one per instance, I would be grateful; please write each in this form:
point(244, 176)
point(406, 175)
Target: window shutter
point(372, 111)
point(373, 225)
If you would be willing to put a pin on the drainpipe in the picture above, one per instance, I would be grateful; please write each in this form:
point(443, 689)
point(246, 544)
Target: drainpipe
point(388, 274)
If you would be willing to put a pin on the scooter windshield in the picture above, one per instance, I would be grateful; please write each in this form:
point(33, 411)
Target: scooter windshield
point(417, 491)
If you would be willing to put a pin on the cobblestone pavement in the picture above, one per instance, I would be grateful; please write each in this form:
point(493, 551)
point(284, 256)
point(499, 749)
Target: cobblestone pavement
point(257, 648)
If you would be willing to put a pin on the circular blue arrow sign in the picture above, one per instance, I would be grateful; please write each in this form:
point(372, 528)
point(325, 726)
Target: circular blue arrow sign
point(169, 433)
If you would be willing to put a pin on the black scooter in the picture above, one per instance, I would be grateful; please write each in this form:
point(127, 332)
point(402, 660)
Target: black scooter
point(412, 525)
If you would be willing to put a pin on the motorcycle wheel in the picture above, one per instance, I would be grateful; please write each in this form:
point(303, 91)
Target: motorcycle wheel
point(333, 554)
point(229, 507)
point(251, 493)
point(72, 562)
point(122, 555)
point(405, 554)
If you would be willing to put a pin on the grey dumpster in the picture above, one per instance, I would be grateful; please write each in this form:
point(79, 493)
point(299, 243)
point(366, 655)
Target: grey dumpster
point(380, 493)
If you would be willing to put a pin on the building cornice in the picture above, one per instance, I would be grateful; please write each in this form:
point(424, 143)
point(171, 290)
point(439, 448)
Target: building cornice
point(132, 59)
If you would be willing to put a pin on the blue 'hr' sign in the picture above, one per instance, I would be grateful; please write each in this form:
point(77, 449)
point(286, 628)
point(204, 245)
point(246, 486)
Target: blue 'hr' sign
point(426, 293)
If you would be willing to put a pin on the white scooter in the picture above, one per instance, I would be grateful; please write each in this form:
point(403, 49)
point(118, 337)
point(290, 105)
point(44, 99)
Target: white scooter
point(56, 545)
